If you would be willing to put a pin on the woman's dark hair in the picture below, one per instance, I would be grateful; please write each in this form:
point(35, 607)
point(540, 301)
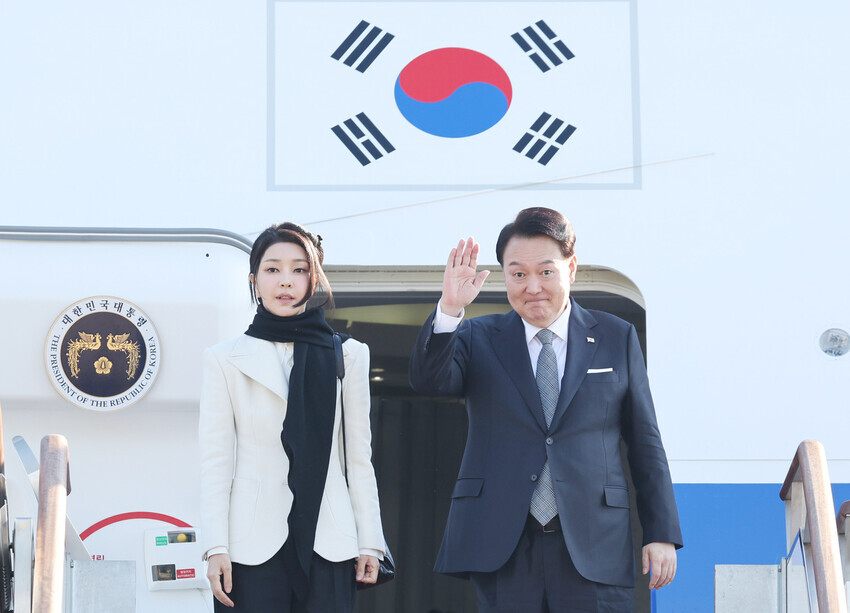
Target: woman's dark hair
point(538, 221)
point(287, 232)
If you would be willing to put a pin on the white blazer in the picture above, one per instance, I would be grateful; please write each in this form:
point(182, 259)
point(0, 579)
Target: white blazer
point(245, 499)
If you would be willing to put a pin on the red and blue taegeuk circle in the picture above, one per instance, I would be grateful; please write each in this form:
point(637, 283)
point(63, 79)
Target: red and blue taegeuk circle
point(453, 92)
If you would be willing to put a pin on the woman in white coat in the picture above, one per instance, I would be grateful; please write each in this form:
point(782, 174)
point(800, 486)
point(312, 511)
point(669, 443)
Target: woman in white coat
point(284, 532)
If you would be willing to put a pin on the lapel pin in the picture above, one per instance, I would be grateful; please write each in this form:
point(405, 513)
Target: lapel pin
point(590, 339)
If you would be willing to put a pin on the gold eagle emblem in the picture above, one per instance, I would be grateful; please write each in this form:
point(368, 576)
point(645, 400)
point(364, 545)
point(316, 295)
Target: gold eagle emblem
point(86, 342)
point(119, 342)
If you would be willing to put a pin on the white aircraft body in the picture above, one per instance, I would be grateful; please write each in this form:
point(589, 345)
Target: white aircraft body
point(144, 146)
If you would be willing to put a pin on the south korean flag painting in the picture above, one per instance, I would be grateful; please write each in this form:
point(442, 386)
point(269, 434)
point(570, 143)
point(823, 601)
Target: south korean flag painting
point(453, 95)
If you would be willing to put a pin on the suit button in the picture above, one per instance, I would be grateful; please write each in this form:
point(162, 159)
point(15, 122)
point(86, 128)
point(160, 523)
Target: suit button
point(534, 477)
point(549, 441)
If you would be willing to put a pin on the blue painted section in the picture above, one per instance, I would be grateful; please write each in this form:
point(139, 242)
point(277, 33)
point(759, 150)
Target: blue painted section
point(470, 109)
point(725, 524)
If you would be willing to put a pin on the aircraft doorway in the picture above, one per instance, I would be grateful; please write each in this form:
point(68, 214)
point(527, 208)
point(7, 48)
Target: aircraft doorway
point(418, 441)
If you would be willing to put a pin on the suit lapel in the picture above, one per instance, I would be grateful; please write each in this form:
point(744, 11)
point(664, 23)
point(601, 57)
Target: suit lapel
point(259, 360)
point(508, 341)
point(580, 352)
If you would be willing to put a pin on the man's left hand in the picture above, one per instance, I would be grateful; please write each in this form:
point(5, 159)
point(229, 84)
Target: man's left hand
point(661, 558)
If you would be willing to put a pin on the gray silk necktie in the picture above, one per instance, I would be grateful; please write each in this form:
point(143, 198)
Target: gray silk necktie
point(543, 505)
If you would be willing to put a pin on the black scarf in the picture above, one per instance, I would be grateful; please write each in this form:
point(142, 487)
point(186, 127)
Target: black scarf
point(307, 431)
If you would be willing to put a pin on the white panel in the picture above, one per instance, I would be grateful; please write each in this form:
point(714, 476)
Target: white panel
point(741, 588)
point(746, 471)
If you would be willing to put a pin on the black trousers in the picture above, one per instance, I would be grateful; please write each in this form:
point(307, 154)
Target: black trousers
point(265, 588)
point(540, 577)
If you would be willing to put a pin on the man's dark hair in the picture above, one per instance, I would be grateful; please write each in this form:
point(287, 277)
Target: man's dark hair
point(538, 221)
point(288, 232)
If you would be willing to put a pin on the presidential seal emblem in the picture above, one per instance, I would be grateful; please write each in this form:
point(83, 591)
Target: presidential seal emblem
point(102, 353)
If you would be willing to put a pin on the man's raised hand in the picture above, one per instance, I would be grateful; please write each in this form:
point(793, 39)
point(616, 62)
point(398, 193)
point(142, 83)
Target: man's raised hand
point(461, 282)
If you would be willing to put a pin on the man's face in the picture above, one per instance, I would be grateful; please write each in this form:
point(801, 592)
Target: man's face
point(538, 278)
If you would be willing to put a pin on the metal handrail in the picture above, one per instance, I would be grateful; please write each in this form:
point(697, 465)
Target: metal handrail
point(808, 500)
point(53, 487)
point(841, 519)
point(843, 513)
point(156, 235)
point(2, 449)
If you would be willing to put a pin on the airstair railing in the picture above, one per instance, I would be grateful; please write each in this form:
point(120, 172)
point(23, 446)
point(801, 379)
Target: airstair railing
point(2, 450)
point(5, 546)
point(141, 235)
point(841, 516)
point(842, 519)
point(808, 504)
point(53, 488)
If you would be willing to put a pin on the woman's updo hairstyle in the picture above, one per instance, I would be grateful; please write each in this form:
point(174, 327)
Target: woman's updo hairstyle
point(319, 292)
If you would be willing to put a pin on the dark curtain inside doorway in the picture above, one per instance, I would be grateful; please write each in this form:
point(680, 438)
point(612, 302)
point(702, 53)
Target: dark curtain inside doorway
point(418, 443)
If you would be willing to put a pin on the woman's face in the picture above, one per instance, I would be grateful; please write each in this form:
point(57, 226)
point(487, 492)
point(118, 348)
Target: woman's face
point(283, 279)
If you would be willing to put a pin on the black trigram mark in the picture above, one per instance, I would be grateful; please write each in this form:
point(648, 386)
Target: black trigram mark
point(547, 130)
point(355, 134)
point(365, 37)
point(554, 49)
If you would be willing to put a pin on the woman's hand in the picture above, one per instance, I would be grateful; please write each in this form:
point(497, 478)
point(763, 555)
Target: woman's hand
point(219, 575)
point(366, 569)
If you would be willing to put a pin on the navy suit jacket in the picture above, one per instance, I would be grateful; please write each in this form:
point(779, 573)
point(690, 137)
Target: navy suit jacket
point(486, 361)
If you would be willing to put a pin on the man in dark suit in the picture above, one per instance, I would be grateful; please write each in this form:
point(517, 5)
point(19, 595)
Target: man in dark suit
point(539, 518)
